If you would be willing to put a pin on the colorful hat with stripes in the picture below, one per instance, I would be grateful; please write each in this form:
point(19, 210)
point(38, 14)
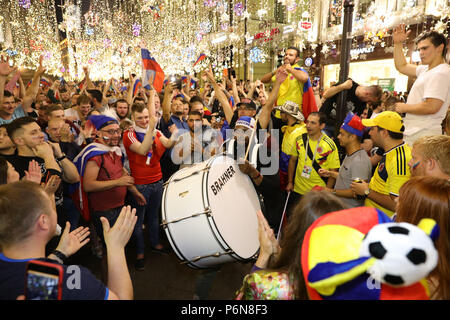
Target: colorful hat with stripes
point(360, 254)
point(352, 124)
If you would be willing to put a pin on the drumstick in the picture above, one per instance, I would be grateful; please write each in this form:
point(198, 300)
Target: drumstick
point(282, 217)
point(251, 137)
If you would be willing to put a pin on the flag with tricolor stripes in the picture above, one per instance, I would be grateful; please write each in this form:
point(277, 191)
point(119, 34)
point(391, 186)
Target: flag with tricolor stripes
point(152, 74)
point(308, 100)
point(200, 58)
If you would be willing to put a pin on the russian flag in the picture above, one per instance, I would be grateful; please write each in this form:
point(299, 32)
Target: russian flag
point(184, 79)
point(152, 74)
point(136, 87)
point(309, 103)
point(200, 58)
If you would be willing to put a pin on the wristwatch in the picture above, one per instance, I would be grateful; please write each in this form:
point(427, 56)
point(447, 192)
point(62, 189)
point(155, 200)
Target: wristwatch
point(61, 256)
point(366, 192)
point(62, 157)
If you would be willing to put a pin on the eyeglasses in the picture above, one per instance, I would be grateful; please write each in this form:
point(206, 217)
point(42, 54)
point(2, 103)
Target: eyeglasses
point(113, 132)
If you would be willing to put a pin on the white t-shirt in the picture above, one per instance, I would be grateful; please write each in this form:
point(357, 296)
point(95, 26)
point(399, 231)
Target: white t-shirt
point(434, 83)
point(72, 112)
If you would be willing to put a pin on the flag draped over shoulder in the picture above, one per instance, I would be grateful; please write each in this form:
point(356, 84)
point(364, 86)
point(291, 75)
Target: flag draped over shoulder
point(80, 198)
point(152, 74)
point(308, 100)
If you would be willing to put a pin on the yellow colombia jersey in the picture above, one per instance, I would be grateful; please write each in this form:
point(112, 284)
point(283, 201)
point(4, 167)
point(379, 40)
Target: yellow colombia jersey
point(290, 136)
point(327, 157)
point(290, 90)
point(391, 173)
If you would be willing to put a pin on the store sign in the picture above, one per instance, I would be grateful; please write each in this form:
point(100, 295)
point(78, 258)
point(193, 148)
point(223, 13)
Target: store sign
point(305, 25)
point(386, 84)
point(308, 62)
point(358, 51)
point(264, 36)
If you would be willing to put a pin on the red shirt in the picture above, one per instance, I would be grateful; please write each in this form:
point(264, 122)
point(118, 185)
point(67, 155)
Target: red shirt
point(112, 198)
point(140, 171)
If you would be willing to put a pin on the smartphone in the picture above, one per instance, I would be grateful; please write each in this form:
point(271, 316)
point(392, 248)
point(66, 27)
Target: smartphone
point(316, 81)
point(43, 281)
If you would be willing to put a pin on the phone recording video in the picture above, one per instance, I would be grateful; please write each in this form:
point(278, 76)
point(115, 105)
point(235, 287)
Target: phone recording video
point(175, 81)
point(316, 81)
point(43, 281)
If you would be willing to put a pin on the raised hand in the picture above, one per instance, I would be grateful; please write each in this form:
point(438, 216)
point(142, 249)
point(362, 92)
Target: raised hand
point(52, 185)
point(41, 69)
point(71, 242)
point(119, 235)
point(281, 75)
point(5, 68)
point(399, 34)
point(34, 172)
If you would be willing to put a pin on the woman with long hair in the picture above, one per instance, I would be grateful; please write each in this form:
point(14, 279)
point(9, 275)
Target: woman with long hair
point(429, 197)
point(277, 272)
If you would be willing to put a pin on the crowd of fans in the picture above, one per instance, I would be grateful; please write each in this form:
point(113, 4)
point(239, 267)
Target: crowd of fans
point(87, 153)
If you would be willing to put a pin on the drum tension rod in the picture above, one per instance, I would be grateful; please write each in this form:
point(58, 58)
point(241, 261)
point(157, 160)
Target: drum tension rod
point(193, 173)
point(215, 255)
point(207, 212)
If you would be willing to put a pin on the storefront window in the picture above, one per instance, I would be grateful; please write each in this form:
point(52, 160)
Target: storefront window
point(334, 13)
point(368, 73)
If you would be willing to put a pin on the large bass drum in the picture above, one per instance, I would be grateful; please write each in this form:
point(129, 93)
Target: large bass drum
point(209, 213)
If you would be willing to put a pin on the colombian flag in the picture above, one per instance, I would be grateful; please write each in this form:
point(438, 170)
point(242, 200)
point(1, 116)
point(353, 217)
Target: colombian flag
point(152, 74)
point(200, 58)
point(308, 101)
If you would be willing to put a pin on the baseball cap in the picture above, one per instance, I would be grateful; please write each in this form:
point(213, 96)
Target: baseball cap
point(353, 124)
point(246, 122)
point(388, 120)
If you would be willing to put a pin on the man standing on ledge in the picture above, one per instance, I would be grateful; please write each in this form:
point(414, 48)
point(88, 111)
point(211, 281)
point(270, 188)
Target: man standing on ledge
point(429, 97)
point(293, 87)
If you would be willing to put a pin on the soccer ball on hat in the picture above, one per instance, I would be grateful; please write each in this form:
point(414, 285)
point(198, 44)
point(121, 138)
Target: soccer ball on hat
point(404, 253)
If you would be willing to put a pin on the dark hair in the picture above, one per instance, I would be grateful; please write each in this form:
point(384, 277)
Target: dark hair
point(53, 107)
point(120, 101)
point(312, 206)
point(296, 49)
point(3, 171)
point(7, 94)
point(390, 101)
point(18, 124)
point(194, 113)
point(138, 107)
point(376, 91)
point(322, 116)
point(436, 39)
point(82, 99)
point(96, 94)
point(395, 135)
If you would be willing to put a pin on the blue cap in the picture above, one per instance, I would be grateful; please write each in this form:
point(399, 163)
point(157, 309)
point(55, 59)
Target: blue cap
point(100, 121)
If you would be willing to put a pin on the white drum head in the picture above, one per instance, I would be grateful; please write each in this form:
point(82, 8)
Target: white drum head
point(234, 203)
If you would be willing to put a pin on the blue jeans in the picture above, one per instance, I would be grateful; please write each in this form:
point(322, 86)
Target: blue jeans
point(149, 213)
point(111, 215)
point(72, 213)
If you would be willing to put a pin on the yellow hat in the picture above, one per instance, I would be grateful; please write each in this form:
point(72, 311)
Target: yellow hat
point(388, 120)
